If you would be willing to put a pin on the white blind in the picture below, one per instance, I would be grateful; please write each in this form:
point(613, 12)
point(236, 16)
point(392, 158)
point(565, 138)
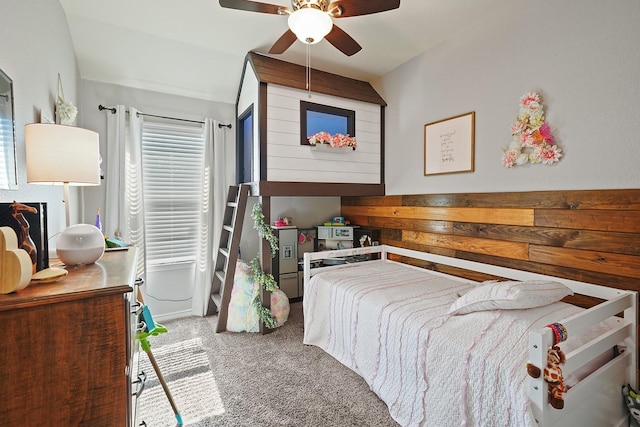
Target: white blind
point(172, 159)
point(6, 154)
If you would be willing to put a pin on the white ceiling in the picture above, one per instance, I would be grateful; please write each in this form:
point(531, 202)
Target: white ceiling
point(196, 48)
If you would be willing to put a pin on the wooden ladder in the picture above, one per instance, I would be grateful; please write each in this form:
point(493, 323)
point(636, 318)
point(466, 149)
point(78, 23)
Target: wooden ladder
point(227, 255)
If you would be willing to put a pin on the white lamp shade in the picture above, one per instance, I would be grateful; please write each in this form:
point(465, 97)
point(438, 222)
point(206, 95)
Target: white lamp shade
point(58, 154)
point(310, 25)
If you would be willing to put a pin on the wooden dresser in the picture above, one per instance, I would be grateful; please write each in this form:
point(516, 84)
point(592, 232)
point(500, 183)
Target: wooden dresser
point(66, 349)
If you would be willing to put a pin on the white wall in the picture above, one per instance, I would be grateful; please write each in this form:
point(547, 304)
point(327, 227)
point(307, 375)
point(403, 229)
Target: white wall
point(35, 46)
point(583, 57)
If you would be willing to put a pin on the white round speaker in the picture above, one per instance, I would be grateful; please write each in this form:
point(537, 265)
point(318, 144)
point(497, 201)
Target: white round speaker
point(80, 244)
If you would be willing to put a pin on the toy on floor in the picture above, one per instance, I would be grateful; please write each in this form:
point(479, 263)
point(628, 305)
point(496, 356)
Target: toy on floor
point(155, 329)
point(632, 400)
point(242, 315)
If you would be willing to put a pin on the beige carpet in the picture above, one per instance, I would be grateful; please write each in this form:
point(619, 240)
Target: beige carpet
point(246, 379)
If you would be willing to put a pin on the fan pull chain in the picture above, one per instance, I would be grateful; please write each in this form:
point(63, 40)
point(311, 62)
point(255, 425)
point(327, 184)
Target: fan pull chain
point(309, 69)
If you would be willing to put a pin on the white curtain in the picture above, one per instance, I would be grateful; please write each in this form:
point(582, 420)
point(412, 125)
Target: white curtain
point(124, 212)
point(113, 216)
point(215, 182)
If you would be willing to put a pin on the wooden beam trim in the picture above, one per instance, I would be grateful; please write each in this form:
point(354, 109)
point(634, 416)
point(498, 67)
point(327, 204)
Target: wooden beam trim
point(559, 200)
point(275, 71)
point(603, 262)
point(595, 277)
point(514, 250)
point(371, 201)
point(627, 221)
point(310, 189)
point(509, 216)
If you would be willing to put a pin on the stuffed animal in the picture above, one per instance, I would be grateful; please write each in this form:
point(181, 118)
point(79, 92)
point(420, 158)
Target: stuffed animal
point(242, 315)
point(552, 374)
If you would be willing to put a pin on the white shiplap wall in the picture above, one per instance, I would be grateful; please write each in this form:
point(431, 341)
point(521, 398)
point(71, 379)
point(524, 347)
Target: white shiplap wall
point(287, 160)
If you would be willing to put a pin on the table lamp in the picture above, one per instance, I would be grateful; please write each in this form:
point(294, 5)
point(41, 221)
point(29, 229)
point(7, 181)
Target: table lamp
point(67, 155)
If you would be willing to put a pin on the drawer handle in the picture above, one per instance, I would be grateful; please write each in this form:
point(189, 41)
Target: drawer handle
point(141, 381)
point(142, 424)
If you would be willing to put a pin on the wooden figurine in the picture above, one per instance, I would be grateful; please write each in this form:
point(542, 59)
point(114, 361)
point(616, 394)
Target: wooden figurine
point(24, 239)
point(15, 263)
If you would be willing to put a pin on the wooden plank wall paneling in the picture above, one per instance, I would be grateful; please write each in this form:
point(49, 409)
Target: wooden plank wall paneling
point(588, 235)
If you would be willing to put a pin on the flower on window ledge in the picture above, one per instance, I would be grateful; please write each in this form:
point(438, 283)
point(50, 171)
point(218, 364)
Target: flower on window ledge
point(336, 141)
point(533, 141)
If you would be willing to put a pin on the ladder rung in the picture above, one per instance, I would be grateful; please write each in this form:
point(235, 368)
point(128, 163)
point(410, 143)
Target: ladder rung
point(220, 275)
point(217, 299)
point(228, 246)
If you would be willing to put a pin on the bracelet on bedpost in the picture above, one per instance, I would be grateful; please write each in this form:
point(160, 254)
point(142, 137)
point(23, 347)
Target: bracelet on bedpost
point(559, 332)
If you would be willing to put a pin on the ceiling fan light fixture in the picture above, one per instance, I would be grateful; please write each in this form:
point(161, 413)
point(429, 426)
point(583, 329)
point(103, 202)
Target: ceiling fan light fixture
point(310, 25)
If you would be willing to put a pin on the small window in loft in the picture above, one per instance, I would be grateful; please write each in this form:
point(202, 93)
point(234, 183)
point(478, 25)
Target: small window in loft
point(245, 147)
point(316, 118)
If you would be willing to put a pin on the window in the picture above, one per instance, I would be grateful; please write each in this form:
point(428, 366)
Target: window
point(172, 160)
point(245, 147)
point(8, 173)
point(316, 118)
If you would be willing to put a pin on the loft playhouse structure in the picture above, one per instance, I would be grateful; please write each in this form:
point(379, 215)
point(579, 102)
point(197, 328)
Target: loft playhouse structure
point(274, 157)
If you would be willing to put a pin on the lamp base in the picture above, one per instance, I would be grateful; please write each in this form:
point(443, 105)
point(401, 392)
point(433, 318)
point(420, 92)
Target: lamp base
point(80, 244)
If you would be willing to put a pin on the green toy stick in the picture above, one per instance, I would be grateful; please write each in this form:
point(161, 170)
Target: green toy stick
point(155, 329)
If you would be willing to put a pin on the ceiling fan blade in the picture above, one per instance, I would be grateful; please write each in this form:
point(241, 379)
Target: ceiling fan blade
point(343, 41)
point(283, 42)
point(362, 7)
point(253, 6)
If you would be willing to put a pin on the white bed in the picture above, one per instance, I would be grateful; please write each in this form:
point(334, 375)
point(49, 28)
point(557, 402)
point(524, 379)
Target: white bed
point(388, 322)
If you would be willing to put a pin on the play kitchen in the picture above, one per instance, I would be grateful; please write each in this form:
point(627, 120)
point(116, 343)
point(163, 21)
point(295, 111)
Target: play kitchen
point(295, 242)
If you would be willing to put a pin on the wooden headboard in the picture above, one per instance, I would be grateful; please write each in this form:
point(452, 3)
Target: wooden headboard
point(588, 235)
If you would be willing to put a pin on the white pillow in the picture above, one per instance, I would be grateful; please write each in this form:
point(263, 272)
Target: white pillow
point(510, 296)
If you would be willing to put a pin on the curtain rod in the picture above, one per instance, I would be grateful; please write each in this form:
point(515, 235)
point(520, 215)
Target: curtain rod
point(113, 111)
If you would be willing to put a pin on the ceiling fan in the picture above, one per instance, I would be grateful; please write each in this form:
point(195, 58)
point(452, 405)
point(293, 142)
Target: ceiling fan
point(312, 20)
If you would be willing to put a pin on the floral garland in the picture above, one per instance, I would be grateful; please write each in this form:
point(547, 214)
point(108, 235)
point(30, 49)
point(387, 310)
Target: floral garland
point(264, 230)
point(532, 138)
point(265, 281)
point(268, 283)
point(336, 141)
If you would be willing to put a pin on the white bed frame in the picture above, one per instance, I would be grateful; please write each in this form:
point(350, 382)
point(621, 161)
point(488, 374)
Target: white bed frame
point(594, 401)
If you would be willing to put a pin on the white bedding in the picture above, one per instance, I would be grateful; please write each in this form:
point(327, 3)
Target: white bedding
point(389, 323)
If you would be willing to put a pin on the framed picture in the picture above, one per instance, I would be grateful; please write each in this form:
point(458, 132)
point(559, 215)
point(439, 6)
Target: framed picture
point(449, 145)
